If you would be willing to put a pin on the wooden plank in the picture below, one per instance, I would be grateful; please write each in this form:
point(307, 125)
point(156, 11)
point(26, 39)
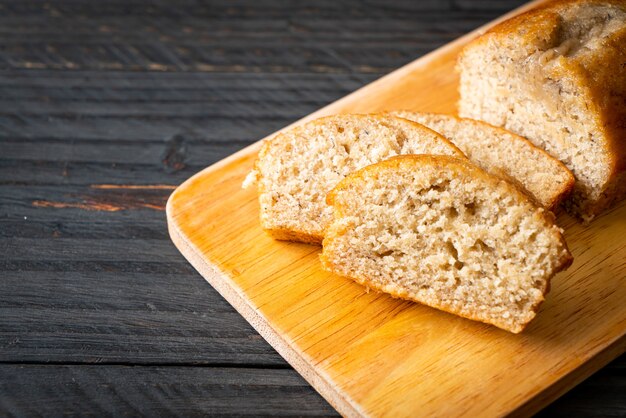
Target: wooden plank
point(133, 82)
point(63, 211)
point(134, 318)
point(75, 175)
point(157, 94)
point(191, 391)
point(112, 336)
point(254, 11)
point(197, 154)
point(74, 290)
point(207, 59)
point(241, 30)
point(140, 129)
point(97, 266)
point(33, 390)
point(150, 109)
point(89, 227)
point(327, 38)
point(99, 249)
point(339, 337)
point(93, 174)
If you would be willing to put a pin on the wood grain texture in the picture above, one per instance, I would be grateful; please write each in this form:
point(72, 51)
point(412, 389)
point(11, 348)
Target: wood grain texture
point(173, 391)
point(197, 81)
point(371, 355)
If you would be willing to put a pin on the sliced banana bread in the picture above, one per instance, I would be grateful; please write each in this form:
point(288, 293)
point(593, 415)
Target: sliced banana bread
point(297, 168)
point(556, 75)
point(441, 231)
point(498, 151)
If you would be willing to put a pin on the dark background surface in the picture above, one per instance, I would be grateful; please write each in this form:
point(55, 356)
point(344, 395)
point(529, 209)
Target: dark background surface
point(104, 108)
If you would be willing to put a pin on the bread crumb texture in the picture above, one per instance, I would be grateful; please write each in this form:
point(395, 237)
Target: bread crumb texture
point(297, 168)
point(499, 151)
point(440, 231)
point(557, 76)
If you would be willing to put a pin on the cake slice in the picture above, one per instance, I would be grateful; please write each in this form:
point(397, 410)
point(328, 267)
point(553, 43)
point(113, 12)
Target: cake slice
point(557, 76)
point(499, 151)
point(297, 168)
point(441, 231)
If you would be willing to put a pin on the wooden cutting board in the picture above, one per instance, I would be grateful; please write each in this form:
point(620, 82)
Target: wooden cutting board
point(371, 355)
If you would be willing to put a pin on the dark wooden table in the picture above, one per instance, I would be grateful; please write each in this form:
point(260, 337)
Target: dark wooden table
point(104, 108)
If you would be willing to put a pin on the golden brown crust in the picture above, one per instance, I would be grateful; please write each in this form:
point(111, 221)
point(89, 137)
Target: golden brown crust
point(462, 167)
point(323, 120)
point(600, 79)
point(535, 20)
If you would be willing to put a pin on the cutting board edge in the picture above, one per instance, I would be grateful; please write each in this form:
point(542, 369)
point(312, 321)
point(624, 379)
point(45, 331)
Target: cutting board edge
point(221, 282)
point(571, 379)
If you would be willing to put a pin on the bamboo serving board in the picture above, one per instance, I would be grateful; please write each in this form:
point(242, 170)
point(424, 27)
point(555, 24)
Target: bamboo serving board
point(371, 355)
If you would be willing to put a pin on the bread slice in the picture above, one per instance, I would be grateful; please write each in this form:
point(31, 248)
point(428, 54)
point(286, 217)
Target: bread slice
point(556, 76)
point(296, 169)
point(441, 231)
point(499, 151)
